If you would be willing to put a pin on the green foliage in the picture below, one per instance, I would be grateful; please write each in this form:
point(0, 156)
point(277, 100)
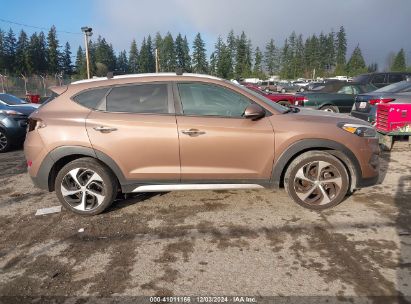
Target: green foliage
point(66, 65)
point(53, 54)
point(80, 64)
point(22, 56)
point(373, 67)
point(122, 63)
point(168, 60)
point(258, 64)
point(183, 59)
point(243, 57)
point(133, 58)
point(356, 64)
point(199, 58)
point(272, 58)
point(398, 64)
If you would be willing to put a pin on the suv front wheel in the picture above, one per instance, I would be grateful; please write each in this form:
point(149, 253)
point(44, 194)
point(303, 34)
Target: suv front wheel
point(85, 186)
point(316, 180)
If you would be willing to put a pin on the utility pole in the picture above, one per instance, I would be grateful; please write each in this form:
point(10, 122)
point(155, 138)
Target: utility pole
point(87, 33)
point(157, 62)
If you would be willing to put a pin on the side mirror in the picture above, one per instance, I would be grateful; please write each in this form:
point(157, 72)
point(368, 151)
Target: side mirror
point(254, 112)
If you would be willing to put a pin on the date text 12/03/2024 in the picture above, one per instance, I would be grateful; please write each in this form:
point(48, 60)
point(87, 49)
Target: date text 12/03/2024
point(204, 299)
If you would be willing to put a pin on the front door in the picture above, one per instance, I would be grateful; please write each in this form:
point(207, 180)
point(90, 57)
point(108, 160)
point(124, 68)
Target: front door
point(137, 130)
point(216, 142)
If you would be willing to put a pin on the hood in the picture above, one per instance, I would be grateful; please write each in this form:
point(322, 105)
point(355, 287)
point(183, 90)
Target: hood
point(25, 109)
point(317, 115)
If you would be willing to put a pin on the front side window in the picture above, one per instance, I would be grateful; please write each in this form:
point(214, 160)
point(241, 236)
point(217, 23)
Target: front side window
point(144, 98)
point(210, 100)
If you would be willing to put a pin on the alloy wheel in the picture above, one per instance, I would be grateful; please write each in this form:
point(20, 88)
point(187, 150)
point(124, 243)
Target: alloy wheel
point(3, 141)
point(318, 183)
point(83, 189)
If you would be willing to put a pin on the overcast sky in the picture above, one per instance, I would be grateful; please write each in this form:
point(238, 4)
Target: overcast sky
point(378, 26)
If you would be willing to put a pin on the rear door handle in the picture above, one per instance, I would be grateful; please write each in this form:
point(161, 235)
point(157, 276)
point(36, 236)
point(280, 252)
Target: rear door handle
point(193, 132)
point(103, 129)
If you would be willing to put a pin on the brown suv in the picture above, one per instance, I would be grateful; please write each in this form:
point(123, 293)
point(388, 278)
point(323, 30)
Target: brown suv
point(162, 132)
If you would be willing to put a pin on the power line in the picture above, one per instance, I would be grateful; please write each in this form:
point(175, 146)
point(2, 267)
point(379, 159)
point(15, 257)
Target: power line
point(36, 27)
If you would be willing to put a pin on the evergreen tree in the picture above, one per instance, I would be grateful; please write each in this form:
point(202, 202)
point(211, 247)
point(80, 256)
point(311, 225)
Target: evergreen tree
point(53, 54)
point(243, 57)
point(2, 60)
point(158, 45)
point(299, 59)
point(187, 57)
point(398, 64)
point(232, 48)
point(37, 54)
point(122, 63)
point(168, 60)
point(271, 58)
point(220, 60)
point(103, 57)
point(151, 59)
point(258, 64)
point(9, 49)
point(22, 55)
point(356, 64)
point(199, 58)
point(133, 58)
point(182, 53)
point(66, 60)
point(341, 46)
point(80, 65)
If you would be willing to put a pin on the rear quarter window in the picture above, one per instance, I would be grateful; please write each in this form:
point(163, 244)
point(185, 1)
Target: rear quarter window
point(91, 98)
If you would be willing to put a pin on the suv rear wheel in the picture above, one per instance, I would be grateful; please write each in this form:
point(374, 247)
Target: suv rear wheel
point(85, 186)
point(316, 180)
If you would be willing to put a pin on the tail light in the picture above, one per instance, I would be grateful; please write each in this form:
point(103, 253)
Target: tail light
point(299, 100)
point(381, 100)
point(34, 124)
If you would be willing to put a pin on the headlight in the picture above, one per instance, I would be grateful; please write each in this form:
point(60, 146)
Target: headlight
point(360, 130)
point(10, 112)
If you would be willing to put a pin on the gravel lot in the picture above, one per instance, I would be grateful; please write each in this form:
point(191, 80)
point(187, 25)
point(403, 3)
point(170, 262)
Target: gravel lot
point(251, 242)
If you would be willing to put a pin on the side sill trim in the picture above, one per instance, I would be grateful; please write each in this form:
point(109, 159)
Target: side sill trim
point(180, 187)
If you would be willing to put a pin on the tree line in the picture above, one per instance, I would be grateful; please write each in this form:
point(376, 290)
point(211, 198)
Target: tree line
point(232, 57)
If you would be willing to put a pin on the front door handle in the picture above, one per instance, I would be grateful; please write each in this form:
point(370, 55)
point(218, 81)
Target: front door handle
point(103, 129)
point(192, 132)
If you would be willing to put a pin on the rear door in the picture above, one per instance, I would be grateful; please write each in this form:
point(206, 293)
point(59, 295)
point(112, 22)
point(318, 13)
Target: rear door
point(136, 127)
point(216, 142)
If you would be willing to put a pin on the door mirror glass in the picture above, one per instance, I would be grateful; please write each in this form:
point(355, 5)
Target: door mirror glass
point(254, 112)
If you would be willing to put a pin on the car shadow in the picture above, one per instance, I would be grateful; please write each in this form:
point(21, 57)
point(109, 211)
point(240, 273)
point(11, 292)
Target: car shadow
point(125, 200)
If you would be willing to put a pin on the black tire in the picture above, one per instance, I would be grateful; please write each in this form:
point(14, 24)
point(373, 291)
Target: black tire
point(335, 194)
point(108, 184)
point(5, 142)
point(330, 108)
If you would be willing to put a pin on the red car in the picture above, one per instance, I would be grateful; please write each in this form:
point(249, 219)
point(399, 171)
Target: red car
point(282, 99)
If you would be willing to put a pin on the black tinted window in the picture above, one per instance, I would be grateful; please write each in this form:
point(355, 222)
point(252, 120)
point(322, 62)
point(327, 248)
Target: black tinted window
point(209, 100)
point(379, 78)
point(395, 78)
point(91, 98)
point(145, 98)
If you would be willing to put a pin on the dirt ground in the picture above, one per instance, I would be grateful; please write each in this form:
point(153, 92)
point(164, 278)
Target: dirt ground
point(211, 243)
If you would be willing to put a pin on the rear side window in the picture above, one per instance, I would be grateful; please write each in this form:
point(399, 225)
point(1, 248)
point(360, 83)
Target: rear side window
point(395, 78)
point(144, 98)
point(91, 98)
point(379, 78)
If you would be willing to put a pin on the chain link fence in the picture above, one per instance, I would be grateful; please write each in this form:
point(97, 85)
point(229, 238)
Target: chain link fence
point(33, 85)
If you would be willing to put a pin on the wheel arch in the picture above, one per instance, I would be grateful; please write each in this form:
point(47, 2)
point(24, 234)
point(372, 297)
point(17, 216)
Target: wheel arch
point(344, 154)
point(61, 156)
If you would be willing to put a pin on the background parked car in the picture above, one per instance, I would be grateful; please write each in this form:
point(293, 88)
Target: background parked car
point(365, 104)
point(14, 113)
point(280, 98)
point(335, 97)
point(382, 79)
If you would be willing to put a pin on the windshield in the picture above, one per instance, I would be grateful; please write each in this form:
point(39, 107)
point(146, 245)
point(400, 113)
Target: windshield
point(11, 100)
point(266, 101)
point(402, 86)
